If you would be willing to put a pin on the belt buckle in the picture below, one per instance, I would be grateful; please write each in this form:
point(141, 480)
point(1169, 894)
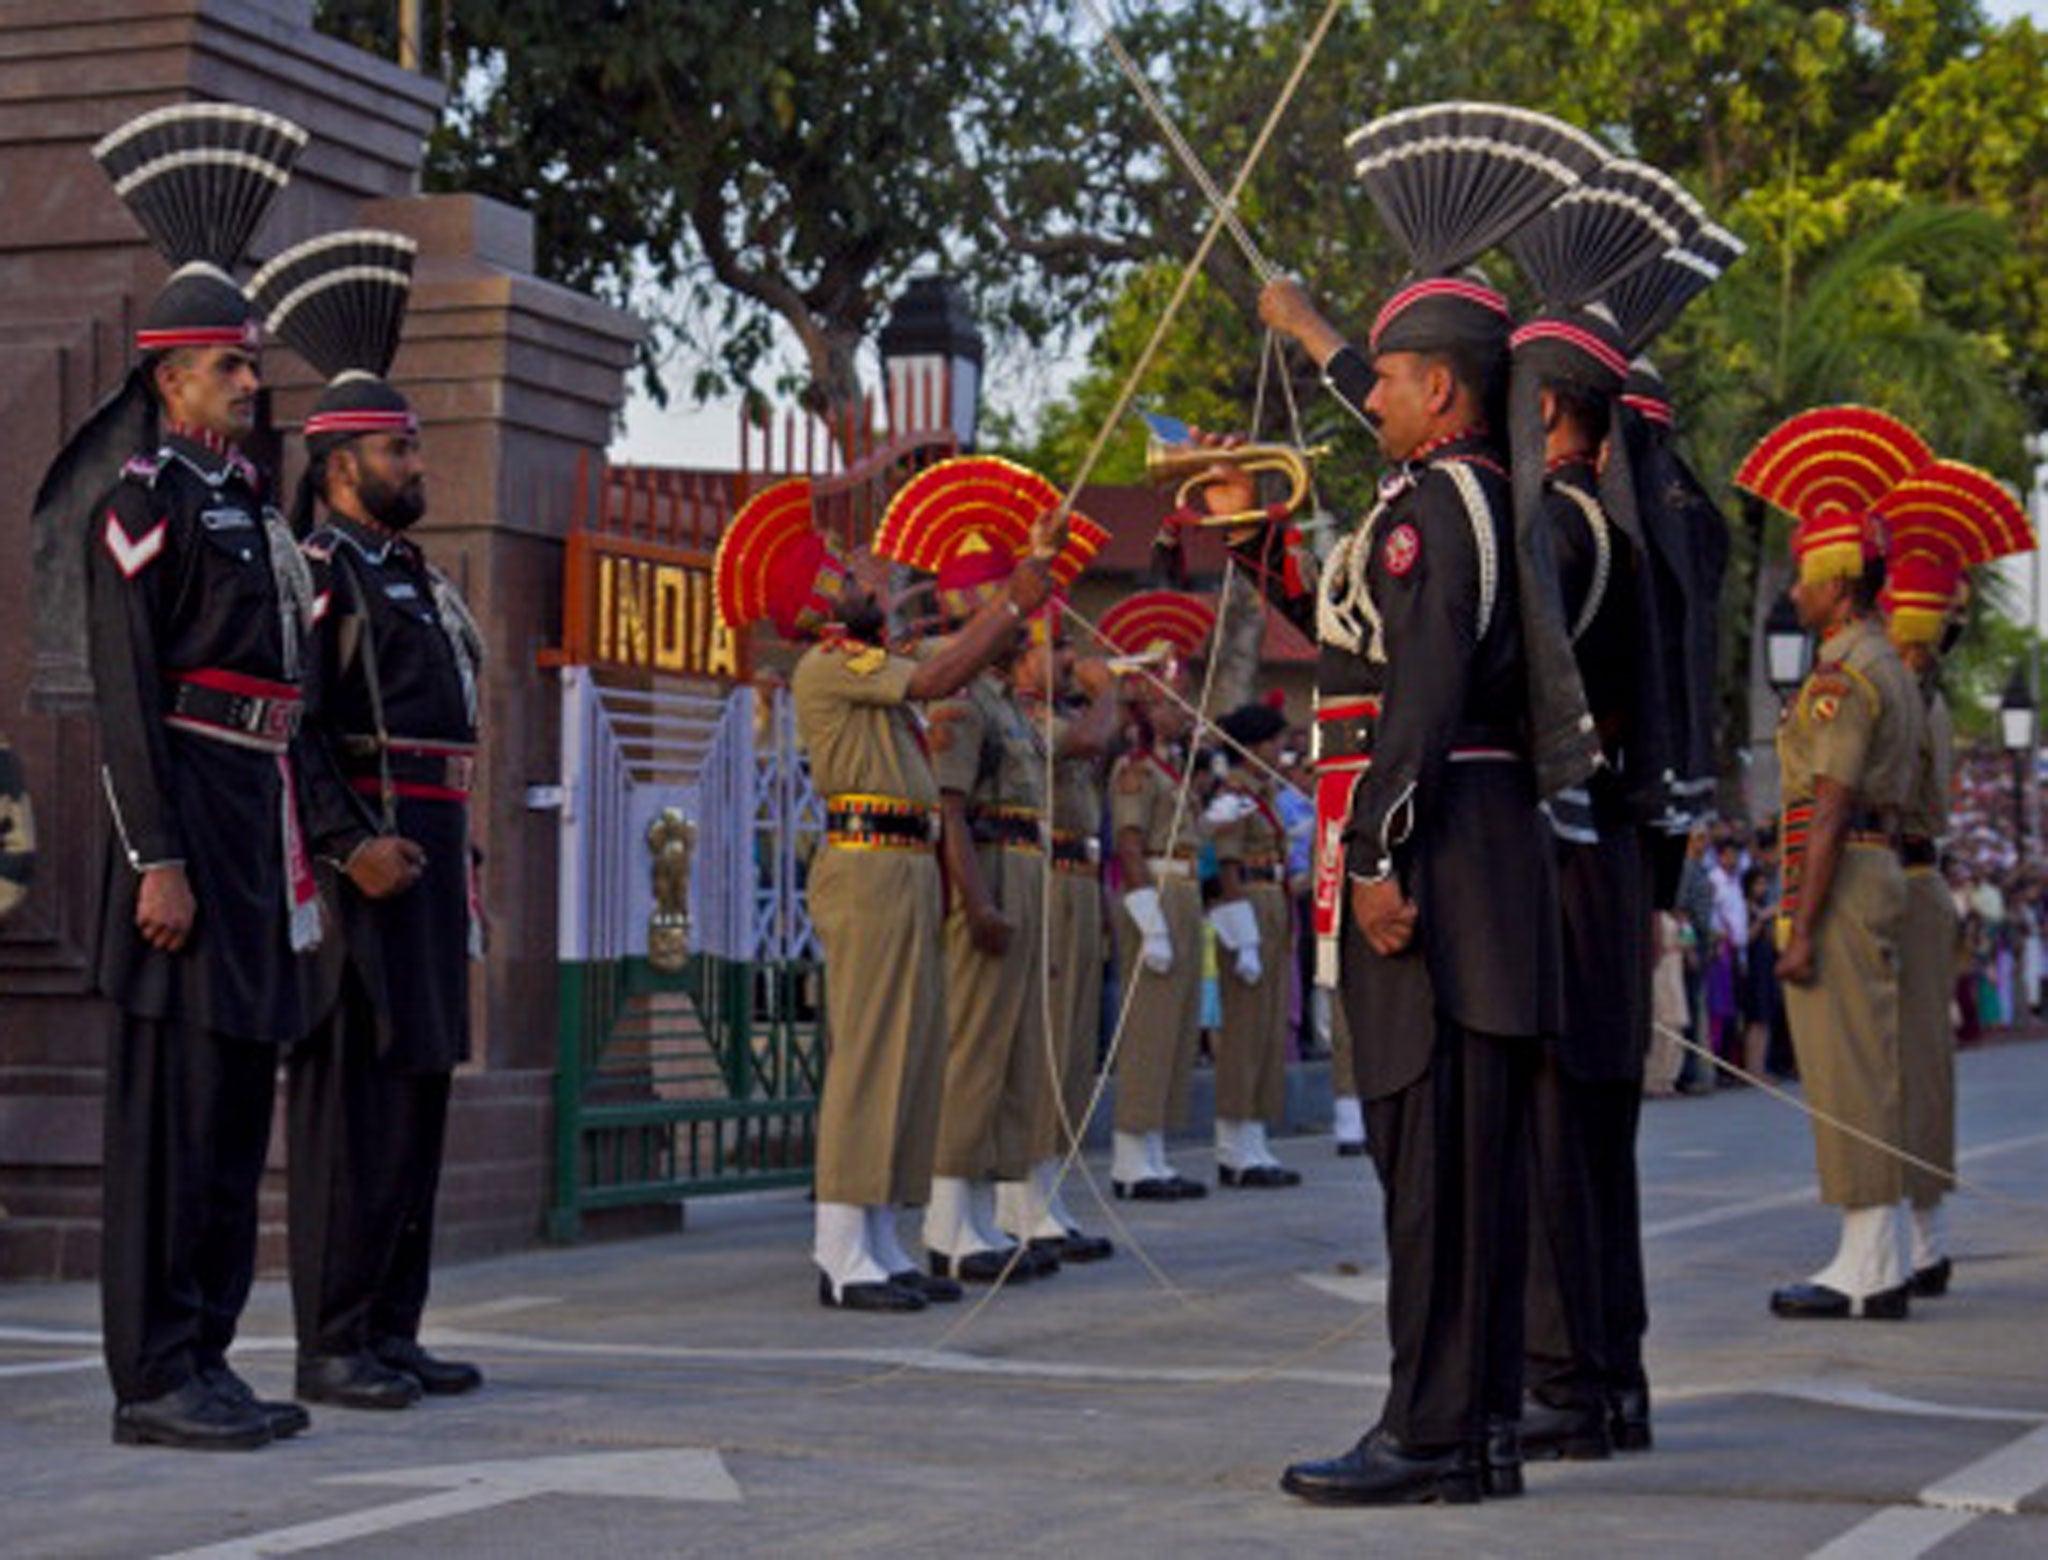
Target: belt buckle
point(274, 719)
point(461, 774)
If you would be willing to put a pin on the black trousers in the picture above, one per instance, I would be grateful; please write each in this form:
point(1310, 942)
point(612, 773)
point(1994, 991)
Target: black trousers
point(366, 1145)
point(1452, 1167)
point(187, 1129)
point(1586, 1311)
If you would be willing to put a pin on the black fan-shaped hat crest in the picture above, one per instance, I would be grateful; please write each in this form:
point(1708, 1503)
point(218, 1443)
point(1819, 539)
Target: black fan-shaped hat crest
point(1647, 300)
point(200, 177)
point(339, 301)
point(1612, 224)
point(1452, 180)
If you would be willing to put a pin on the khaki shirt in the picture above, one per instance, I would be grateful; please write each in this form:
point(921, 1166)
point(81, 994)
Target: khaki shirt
point(1143, 793)
point(982, 748)
point(1926, 812)
point(1076, 784)
point(1244, 824)
point(1857, 721)
point(862, 735)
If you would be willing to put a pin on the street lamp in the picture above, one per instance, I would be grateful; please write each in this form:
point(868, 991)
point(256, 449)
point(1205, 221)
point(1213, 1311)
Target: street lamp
point(1786, 648)
point(2016, 727)
point(931, 356)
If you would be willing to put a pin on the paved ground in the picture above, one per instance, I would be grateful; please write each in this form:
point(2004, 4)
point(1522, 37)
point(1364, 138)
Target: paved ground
point(687, 1396)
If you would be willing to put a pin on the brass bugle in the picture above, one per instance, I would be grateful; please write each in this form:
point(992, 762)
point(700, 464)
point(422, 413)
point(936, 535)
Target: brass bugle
point(1124, 665)
point(1188, 468)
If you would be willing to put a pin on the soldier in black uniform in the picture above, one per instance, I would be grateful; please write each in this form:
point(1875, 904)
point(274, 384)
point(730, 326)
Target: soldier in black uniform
point(197, 606)
point(397, 656)
point(1585, 1307)
point(1444, 688)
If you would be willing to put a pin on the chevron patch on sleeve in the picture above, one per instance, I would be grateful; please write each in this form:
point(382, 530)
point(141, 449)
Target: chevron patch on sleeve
point(131, 557)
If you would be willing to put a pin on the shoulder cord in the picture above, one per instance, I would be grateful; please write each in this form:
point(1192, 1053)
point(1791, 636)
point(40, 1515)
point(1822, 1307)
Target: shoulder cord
point(1603, 555)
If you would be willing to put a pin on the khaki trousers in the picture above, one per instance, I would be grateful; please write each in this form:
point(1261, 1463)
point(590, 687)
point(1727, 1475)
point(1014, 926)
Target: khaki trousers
point(996, 1072)
point(877, 913)
point(1251, 1047)
point(1927, 1039)
point(1161, 1016)
point(1076, 1007)
point(1845, 1029)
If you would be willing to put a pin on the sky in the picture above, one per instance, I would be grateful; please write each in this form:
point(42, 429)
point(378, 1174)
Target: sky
point(686, 435)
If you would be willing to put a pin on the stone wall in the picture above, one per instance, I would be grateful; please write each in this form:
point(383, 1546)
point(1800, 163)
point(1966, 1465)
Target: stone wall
point(517, 382)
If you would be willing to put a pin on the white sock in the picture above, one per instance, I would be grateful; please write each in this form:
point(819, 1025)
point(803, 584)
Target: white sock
point(1049, 1221)
point(1230, 1144)
point(1347, 1121)
point(1930, 1236)
point(1155, 1157)
point(840, 1246)
point(1128, 1162)
point(949, 1219)
point(1016, 1209)
point(1253, 1149)
point(1872, 1253)
point(884, 1242)
point(981, 1213)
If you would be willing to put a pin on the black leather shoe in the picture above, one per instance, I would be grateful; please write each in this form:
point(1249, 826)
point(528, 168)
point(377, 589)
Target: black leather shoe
point(867, 1297)
point(1257, 1175)
point(1817, 1302)
point(1183, 1188)
point(354, 1381)
point(1500, 1469)
point(1076, 1247)
point(437, 1377)
point(192, 1418)
point(978, 1267)
point(1379, 1471)
point(1628, 1419)
point(1931, 1282)
point(1039, 1261)
point(1573, 1434)
point(1347, 1150)
point(286, 1419)
point(936, 1291)
point(1151, 1189)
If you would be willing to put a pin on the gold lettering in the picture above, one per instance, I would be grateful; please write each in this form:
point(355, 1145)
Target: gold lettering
point(635, 610)
point(670, 644)
point(604, 610)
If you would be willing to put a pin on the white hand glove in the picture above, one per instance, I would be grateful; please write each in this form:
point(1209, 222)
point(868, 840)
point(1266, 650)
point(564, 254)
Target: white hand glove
point(1237, 928)
point(1142, 905)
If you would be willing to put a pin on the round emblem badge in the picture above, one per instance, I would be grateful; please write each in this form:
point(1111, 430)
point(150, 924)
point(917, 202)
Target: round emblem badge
point(1403, 547)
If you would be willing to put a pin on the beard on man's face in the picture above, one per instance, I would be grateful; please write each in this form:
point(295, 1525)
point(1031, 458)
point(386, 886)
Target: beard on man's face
point(393, 505)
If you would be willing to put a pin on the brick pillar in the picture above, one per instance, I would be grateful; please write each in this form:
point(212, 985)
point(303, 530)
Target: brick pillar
point(515, 380)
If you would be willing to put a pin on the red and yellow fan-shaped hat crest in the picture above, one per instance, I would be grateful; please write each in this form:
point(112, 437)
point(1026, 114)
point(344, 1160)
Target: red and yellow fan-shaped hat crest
point(968, 520)
point(1155, 619)
point(772, 562)
point(1828, 468)
point(1944, 520)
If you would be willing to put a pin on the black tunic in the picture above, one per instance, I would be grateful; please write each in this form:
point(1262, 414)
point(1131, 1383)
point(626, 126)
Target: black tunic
point(181, 580)
point(374, 606)
point(1462, 833)
point(1603, 886)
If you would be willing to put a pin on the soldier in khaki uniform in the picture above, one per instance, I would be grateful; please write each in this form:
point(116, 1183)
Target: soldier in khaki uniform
point(1942, 521)
point(1848, 748)
point(1254, 922)
point(1081, 734)
point(875, 890)
point(998, 1084)
point(1158, 838)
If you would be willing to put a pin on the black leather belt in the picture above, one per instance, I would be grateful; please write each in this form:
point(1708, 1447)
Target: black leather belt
point(878, 824)
point(1015, 828)
point(266, 720)
point(1075, 852)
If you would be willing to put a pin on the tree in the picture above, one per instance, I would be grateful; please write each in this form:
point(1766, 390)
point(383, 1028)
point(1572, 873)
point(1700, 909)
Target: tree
point(794, 181)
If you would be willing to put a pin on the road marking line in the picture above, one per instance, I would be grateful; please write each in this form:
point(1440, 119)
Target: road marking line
point(50, 1367)
point(1358, 1288)
point(1728, 1212)
point(669, 1473)
point(1896, 1533)
point(506, 1306)
point(1996, 1483)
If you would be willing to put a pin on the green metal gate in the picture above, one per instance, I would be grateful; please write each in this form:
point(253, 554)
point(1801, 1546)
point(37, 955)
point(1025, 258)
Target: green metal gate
point(702, 1079)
